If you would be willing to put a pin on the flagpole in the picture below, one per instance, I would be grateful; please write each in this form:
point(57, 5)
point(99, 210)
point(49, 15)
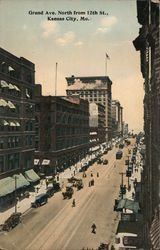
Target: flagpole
point(105, 65)
point(56, 80)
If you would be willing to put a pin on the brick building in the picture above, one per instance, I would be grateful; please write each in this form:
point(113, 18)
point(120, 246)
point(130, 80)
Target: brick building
point(17, 132)
point(62, 131)
point(148, 43)
point(94, 89)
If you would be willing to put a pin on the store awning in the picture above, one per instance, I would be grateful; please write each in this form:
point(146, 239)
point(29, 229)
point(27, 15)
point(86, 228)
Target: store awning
point(12, 124)
point(17, 124)
point(155, 231)
point(3, 122)
point(20, 181)
point(7, 186)
point(3, 103)
point(31, 176)
point(45, 162)
point(4, 84)
point(11, 86)
point(11, 105)
point(16, 88)
point(36, 161)
point(129, 204)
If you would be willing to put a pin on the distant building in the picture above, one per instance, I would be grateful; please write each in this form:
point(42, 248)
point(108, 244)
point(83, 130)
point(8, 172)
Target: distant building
point(62, 131)
point(94, 89)
point(125, 129)
point(97, 124)
point(117, 119)
point(17, 116)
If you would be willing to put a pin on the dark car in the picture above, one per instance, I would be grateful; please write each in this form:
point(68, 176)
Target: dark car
point(105, 162)
point(119, 154)
point(50, 191)
point(40, 200)
point(99, 161)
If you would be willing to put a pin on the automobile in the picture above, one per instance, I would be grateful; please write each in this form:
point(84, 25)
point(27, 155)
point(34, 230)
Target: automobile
point(105, 162)
point(119, 154)
point(40, 200)
point(105, 151)
point(99, 161)
point(121, 145)
point(50, 191)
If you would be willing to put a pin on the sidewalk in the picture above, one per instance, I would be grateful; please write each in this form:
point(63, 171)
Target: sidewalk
point(23, 205)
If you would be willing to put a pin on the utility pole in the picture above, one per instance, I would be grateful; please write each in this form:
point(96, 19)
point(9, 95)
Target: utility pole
point(15, 178)
point(128, 176)
point(122, 183)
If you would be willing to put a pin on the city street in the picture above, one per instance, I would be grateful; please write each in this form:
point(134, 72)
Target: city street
point(57, 225)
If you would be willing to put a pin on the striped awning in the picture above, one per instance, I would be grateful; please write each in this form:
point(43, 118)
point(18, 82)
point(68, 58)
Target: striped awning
point(11, 86)
point(3, 103)
point(4, 84)
point(11, 105)
point(155, 232)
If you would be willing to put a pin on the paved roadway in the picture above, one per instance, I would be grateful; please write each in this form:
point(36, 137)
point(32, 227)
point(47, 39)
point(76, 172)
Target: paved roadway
point(58, 226)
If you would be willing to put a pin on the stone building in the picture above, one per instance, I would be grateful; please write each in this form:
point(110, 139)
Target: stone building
point(97, 124)
point(94, 89)
point(148, 43)
point(62, 131)
point(117, 119)
point(17, 116)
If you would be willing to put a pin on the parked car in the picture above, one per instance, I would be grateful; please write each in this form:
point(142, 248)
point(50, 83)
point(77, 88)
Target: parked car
point(40, 200)
point(50, 191)
point(99, 161)
point(105, 162)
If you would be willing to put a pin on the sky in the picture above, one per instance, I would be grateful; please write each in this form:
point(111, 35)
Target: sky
point(79, 47)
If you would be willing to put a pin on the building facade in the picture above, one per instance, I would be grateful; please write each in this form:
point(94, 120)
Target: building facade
point(62, 131)
point(148, 43)
point(17, 105)
point(94, 89)
point(117, 119)
point(97, 124)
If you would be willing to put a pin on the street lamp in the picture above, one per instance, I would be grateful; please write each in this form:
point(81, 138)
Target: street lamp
point(15, 178)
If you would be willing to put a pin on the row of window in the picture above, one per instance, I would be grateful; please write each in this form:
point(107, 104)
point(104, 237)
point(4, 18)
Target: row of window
point(14, 90)
point(91, 92)
point(10, 142)
point(68, 120)
point(70, 110)
point(13, 162)
point(68, 131)
point(62, 144)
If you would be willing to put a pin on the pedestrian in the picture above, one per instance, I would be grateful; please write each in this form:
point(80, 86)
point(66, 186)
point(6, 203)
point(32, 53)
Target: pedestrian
point(97, 174)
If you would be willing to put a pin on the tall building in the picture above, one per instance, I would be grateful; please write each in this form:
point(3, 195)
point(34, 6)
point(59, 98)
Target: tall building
point(148, 43)
point(17, 116)
point(117, 119)
point(97, 124)
point(94, 89)
point(62, 131)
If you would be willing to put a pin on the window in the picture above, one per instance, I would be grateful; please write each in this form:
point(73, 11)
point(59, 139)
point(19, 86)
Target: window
point(31, 140)
point(1, 143)
point(13, 161)
point(28, 161)
point(37, 108)
point(26, 140)
point(1, 163)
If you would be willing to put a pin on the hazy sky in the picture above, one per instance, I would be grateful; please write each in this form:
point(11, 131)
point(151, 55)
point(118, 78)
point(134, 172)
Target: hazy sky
point(79, 47)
